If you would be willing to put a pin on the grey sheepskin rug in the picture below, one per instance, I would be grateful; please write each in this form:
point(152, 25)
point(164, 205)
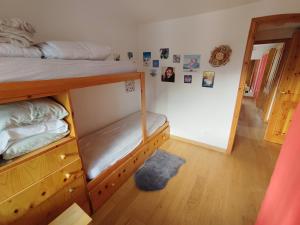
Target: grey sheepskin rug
point(157, 171)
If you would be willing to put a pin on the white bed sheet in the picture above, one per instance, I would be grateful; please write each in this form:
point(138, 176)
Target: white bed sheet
point(105, 147)
point(29, 69)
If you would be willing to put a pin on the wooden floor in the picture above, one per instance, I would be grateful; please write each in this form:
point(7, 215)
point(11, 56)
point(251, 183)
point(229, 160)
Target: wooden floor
point(211, 188)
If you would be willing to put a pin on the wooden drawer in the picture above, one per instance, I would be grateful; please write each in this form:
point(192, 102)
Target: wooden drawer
point(19, 204)
point(111, 183)
point(56, 204)
point(19, 177)
point(157, 141)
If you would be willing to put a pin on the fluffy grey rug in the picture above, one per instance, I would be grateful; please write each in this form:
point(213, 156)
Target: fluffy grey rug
point(157, 171)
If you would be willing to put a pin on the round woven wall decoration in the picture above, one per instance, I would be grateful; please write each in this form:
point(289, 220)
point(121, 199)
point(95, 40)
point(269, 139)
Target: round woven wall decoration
point(220, 56)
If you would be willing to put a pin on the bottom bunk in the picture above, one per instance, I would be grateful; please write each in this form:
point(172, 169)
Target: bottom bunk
point(112, 154)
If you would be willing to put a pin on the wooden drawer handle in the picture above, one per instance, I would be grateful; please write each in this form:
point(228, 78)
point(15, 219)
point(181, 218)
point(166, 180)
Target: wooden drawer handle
point(71, 190)
point(70, 174)
point(64, 156)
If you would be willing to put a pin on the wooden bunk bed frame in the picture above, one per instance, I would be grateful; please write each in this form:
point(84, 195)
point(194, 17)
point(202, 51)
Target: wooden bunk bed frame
point(95, 192)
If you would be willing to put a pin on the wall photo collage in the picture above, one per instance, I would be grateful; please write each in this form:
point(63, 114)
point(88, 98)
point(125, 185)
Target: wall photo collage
point(190, 64)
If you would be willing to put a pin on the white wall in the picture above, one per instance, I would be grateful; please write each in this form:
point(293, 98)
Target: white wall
point(92, 20)
point(197, 113)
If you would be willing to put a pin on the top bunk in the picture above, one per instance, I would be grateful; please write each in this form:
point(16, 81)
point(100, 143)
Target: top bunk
point(22, 78)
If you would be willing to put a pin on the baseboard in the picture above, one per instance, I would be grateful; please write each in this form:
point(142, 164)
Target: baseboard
point(199, 144)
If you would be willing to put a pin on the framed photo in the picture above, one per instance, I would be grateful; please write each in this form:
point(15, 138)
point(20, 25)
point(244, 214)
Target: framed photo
point(130, 86)
point(164, 53)
point(146, 58)
point(117, 57)
point(155, 63)
point(188, 79)
point(191, 63)
point(153, 72)
point(168, 74)
point(130, 55)
point(176, 58)
point(208, 79)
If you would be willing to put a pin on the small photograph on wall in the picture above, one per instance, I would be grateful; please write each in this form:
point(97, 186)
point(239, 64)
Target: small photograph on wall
point(164, 53)
point(208, 79)
point(130, 55)
point(130, 86)
point(188, 79)
point(153, 72)
point(155, 63)
point(191, 63)
point(117, 56)
point(168, 74)
point(146, 58)
point(176, 58)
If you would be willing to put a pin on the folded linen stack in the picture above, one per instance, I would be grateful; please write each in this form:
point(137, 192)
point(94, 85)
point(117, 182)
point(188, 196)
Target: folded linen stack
point(28, 125)
point(16, 39)
point(17, 32)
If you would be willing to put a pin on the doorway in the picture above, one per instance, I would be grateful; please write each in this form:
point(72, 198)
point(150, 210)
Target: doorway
point(277, 93)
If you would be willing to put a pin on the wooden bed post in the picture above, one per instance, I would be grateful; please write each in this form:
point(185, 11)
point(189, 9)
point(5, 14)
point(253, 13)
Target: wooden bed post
point(143, 107)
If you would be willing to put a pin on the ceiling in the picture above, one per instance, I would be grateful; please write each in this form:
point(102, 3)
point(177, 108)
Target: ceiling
point(144, 11)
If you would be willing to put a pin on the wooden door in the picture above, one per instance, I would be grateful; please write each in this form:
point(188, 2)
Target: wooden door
point(287, 96)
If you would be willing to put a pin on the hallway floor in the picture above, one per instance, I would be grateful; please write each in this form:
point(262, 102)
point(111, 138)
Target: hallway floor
point(210, 189)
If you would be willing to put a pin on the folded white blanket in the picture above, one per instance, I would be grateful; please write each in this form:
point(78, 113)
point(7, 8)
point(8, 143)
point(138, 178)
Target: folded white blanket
point(9, 50)
point(11, 136)
point(74, 50)
point(16, 32)
point(18, 24)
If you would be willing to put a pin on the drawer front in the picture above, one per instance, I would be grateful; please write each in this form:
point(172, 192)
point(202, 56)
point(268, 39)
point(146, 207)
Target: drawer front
point(112, 183)
point(157, 141)
point(19, 204)
point(56, 204)
point(23, 175)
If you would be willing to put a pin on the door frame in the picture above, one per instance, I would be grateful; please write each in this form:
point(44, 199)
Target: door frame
point(279, 19)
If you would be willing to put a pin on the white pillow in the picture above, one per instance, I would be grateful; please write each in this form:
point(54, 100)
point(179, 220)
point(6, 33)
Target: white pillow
point(11, 136)
point(75, 50)
point(29, 112)
point(9, 50)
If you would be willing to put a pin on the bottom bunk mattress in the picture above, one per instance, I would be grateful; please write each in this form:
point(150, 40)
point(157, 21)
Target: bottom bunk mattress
point(105, 147)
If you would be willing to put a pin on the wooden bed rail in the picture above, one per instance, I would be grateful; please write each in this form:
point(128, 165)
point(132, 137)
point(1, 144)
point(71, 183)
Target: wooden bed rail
point(143, 108)
point(15, 91)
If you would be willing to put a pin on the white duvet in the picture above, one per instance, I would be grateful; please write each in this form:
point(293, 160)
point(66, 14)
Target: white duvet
point(11, 136)
point(9, 50)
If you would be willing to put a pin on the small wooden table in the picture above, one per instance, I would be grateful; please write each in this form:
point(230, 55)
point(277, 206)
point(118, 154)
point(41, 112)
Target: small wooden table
point(74, 215)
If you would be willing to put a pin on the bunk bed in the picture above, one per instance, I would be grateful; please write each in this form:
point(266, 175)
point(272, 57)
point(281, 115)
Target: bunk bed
point(38, 186)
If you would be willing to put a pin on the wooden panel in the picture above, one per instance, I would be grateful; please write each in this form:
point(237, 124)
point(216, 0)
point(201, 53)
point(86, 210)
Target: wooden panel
point(74, 215)
point(288, 95)
point(50, 209)
point(19, 177)
point(19, 204)
point(64, 99)
point(24, 90)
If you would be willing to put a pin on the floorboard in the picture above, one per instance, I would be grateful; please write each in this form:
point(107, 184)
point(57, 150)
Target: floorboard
point(210, 189)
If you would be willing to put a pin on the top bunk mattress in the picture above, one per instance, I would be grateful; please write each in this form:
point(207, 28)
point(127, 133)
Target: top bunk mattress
point(105, 147)
point(31, 69)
